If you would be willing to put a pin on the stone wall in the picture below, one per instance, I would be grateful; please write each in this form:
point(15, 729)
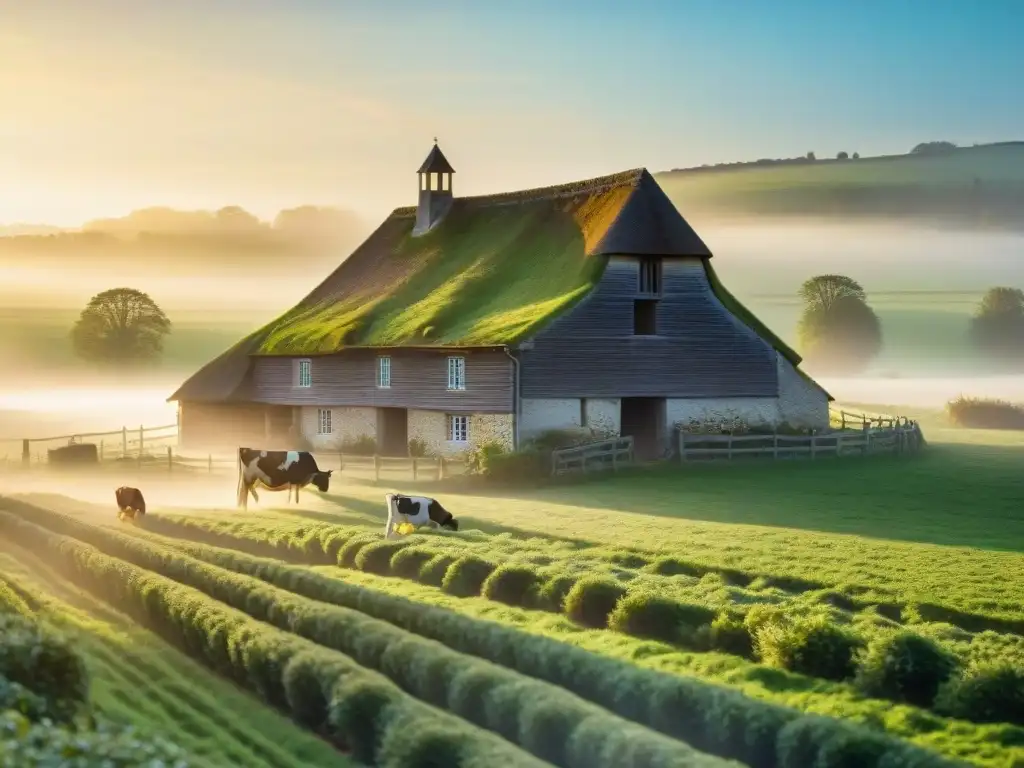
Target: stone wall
point(347, 423)
point(541, 414)
point(432, 428)
point(802, 403)
point(603, 416)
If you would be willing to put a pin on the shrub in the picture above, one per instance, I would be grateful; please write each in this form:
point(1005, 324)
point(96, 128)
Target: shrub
point(904, 666)
point(518, 467)
point(376, 557)
point(364, 445)
point(435, 569)
point(418, 448)
point(552, 593)
point(811, 646)
point(43, 662)
point(409, 561)
point(465, 577)
point(985, 413)
point(512, 584)
point(591, 600)
point(992, 693)
point(350, 549)
point(478, 460)
point(730, 635)
point(645, 614)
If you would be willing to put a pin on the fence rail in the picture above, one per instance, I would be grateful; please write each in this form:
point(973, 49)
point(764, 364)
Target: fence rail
point(605, 454)
point(903, 437)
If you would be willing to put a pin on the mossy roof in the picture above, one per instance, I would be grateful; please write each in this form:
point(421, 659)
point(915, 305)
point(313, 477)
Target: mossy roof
point(495, 271)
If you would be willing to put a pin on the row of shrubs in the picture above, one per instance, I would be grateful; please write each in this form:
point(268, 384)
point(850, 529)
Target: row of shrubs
point(546, 720)
point(356, 709)
point(900, 666)
point(985, 413)
point(324, 544)
point(714, 719)
point(45, 718)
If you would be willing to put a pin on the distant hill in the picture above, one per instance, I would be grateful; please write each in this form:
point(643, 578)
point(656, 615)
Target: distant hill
point(966, 187)
point(165, 236)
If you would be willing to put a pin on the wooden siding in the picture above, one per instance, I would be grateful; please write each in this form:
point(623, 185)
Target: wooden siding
point(419, 380)
point(701, 350)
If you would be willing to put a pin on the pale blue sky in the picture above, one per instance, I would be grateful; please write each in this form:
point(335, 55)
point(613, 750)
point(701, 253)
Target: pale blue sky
point(106, 105)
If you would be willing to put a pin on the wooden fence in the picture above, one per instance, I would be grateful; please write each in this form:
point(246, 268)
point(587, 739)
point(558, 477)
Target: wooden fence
point(901, 438)
point(600, 456)
point(156, 448)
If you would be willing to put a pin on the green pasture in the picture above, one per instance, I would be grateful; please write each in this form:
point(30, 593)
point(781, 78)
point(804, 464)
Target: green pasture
point(139, 680)
point(977, 182)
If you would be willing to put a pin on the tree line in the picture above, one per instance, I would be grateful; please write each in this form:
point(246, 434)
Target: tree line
point(840, 333)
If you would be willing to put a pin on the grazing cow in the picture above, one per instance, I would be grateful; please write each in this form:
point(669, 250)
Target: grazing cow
point(417, 510)
point(129, 502)
point(277, 471)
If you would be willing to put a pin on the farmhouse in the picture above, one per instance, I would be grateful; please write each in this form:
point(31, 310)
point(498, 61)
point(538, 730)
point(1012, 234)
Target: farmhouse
point(460, 321)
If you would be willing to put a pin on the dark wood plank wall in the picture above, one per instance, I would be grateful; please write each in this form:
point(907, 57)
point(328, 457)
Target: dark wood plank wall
point(701, 349)
point(419, 379)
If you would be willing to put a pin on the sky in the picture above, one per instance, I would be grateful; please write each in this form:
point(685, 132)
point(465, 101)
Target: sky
point(111, 105)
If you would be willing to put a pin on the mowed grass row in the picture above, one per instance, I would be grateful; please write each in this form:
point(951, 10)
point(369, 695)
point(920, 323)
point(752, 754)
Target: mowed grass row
point(588, 584)
point(903, 666)
point(137, 679)
point(550, 722)
point(723, 721)
point(358, 710)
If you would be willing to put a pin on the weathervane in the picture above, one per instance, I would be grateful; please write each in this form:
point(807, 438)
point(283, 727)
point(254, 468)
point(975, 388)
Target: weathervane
point(435, 140)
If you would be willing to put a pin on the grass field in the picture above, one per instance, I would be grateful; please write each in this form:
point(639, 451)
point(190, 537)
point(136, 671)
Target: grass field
point(605, 598)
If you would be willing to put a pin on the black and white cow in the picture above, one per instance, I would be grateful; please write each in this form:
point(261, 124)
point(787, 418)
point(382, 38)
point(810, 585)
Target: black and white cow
point(277, 471)
point(129, 502)
point(417, 510)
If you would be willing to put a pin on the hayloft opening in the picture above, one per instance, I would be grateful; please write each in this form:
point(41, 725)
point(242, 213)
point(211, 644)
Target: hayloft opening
point(645, 317)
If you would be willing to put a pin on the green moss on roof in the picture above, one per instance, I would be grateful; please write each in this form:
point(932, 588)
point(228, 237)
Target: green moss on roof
point(488, 275)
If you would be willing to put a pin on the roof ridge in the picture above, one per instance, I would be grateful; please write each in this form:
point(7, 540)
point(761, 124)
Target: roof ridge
point(566, 189)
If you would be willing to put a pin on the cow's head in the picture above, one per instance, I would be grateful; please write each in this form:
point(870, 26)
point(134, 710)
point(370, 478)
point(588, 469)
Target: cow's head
point(451, 524)
point(322, 480)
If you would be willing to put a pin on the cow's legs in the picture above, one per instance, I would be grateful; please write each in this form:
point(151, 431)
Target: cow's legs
point(389, 527)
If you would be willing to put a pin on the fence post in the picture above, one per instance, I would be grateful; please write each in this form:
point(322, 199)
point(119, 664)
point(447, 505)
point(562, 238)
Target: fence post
point(376, 467)
point(124, 441)
point(867, 438)
point(414, 469)
point(842, 415)
point(209, 463)
point(101, 450)
point(26, 453)
point(682, 446)
point(814, 445)
point(775, 446)
point(170, 459)
point(440, 467)
point(141, 441)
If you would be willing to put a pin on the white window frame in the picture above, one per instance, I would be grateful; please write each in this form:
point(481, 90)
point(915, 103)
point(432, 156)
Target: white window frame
point(324, 419)
point(458, 428)
point(304, 381)
point(384, 372)
point(456, 374)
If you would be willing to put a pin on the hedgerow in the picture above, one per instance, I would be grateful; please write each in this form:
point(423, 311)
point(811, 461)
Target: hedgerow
point(710, 718)
point(259, 656)
point(423, 667)
point(905, 666)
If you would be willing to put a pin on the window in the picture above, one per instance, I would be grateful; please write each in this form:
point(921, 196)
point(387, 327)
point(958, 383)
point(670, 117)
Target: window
point(456, 373)
point(384, 372)
point(650, 276)
point(323, 421)
point(645, 317)
point(458, 429)
point(305, 373)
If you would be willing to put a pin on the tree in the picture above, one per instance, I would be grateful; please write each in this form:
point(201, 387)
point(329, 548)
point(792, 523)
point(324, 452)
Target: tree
point(997, 327)
point(933, 148)
point(842, 156)
point(120, 325)
point(811, 156)
point(856, 155)
point(838, 331)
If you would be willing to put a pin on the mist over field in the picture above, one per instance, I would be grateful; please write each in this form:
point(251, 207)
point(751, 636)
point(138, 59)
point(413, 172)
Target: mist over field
point(923, 283)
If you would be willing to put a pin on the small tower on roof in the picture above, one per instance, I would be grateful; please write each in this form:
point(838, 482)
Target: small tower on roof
point(435, 182)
